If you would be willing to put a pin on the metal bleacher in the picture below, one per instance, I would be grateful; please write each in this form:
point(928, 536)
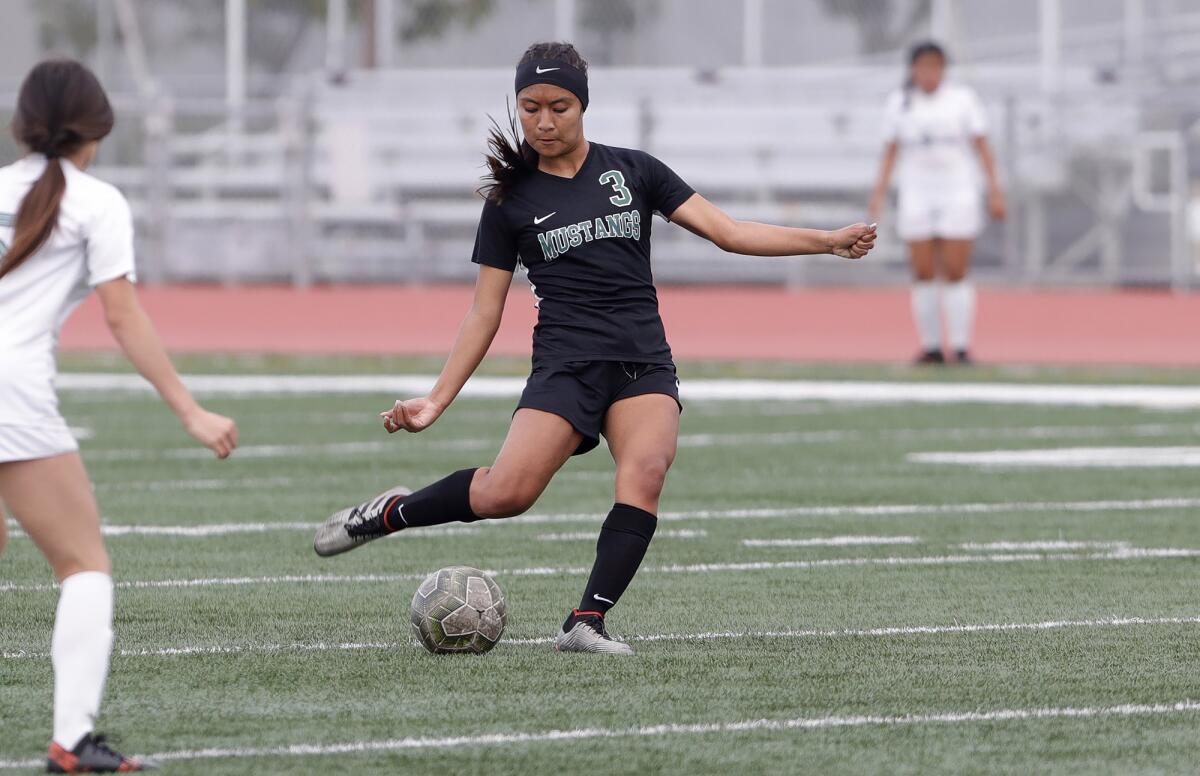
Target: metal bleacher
point(372, 176)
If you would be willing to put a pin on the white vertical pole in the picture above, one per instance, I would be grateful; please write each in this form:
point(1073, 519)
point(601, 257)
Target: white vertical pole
point(941, 21)
point(1050, 19)
point(1135, 34)
point(752, 33)
point(335, 37)
point(564, 20)
point(385, 33)
point(235, 63)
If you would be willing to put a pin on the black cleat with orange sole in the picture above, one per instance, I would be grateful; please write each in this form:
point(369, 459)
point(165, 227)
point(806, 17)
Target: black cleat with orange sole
point(92, 755)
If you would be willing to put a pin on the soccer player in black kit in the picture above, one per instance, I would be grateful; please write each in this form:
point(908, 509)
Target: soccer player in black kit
point(577, 216)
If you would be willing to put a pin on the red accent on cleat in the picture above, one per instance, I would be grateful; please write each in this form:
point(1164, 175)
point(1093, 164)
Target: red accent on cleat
point(577, 613)
point(62, 758)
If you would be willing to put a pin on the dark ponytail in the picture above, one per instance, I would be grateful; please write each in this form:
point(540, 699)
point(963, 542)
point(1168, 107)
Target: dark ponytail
point(61, 108)
point(510, 159)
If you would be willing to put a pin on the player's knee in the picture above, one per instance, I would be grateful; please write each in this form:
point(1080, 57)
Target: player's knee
point(79, 559)
point(497, 498)
point(647, 474)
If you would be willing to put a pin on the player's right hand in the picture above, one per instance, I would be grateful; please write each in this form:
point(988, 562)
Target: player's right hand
point(412, 415)
point(216, 432)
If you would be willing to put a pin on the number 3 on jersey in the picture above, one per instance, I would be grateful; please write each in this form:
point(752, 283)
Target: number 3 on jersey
point(617, 180)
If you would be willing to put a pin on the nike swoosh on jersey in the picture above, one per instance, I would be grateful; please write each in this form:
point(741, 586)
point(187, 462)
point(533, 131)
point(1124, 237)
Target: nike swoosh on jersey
point(537, 220)
point(539, 69)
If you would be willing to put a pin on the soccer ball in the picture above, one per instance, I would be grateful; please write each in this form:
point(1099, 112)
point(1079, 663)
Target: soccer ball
point(459, 609)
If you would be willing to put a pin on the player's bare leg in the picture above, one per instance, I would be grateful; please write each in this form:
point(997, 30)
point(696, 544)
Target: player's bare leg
point(51, 498)
point(642, 433)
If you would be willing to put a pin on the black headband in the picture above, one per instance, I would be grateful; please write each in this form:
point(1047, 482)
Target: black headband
point(556, 73)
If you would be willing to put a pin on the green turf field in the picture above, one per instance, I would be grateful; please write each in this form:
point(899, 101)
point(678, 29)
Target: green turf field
point(752, 658)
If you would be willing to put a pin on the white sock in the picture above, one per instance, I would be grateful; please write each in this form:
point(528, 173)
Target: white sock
point(927, 314)
point(79, 651)
point(959, 299)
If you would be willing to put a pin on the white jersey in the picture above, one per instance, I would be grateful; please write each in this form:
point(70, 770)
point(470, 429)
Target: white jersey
point(93, 243)
point(934, 134)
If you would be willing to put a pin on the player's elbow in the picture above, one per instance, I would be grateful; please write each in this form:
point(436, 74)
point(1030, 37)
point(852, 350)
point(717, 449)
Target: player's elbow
point(726, 237)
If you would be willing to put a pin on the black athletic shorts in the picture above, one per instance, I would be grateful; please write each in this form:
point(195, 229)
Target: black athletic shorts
point(582, 391)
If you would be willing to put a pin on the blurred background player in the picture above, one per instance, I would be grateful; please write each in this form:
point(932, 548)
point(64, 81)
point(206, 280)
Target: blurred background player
point(577, 215)
point(934, 130)
point(62, 234)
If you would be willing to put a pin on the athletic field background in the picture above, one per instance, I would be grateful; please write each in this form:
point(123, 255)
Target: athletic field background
point(849, 585)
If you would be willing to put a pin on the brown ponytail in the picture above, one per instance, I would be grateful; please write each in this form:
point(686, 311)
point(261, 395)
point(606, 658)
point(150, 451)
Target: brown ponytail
point(61, 108)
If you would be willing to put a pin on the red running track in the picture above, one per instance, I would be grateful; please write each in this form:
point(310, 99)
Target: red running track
point(830, 325)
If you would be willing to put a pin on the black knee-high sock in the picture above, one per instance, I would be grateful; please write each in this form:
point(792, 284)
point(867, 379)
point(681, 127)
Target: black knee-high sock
point(619, 551)
point(446, 501)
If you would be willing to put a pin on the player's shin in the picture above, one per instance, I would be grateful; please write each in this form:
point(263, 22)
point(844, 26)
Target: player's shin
point(80, 651)
point(623, 541)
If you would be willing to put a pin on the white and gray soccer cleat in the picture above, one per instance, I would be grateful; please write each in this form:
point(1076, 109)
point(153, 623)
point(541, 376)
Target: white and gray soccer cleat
point(588, 635)
point(355, 526)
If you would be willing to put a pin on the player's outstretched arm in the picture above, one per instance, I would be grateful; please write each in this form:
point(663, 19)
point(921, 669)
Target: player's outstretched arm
point(475, 336)
point(136, 335)
point(702, 217)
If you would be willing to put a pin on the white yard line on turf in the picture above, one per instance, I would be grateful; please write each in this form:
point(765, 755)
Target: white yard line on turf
point(881, 632)
point(1071, 457)
point(1118, 554)
point(285, 451)
point(831, 541)
point(850, 510)
point(896, 510)
point(590, 536)
point(226, 529)
point(670, 729)
point(1038, 546)
point(901, 392)
point(377, 446)
point(1144, 430)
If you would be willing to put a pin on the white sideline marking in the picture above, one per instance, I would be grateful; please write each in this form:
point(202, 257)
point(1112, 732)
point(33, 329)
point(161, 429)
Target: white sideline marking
point(1071, 457)
point(682, 533)
point(1118, 554)
point(1047, 545)
point(831, 541)
point(904, 630)
point(1155, 396)
point(670, 729)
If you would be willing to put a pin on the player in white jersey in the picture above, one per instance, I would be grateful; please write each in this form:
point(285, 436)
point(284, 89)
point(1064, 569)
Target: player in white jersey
point(64, 233)
point(935, 139)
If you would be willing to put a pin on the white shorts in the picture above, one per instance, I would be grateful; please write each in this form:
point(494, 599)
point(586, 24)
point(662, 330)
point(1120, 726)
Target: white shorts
point(26, 443)
point(950, 215)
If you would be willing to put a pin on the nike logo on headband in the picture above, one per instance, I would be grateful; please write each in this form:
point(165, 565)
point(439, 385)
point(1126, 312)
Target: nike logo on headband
point(539, 70)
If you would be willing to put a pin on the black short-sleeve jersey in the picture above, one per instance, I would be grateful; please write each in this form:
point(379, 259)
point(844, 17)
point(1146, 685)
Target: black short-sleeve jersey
point(585, 244)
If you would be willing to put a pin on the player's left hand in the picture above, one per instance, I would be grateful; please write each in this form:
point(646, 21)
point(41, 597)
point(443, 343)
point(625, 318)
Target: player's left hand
point(854, 241)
